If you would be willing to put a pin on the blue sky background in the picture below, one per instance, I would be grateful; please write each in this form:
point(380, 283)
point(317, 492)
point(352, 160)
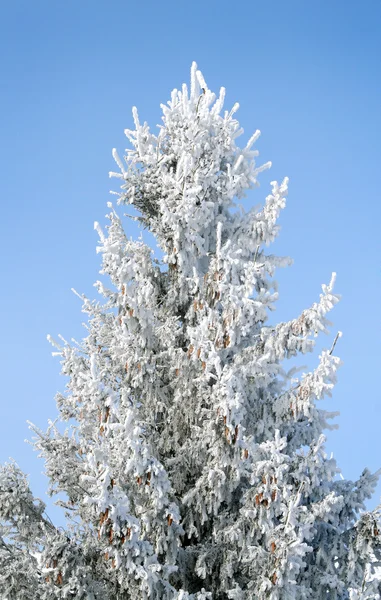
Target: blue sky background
point(306, 73)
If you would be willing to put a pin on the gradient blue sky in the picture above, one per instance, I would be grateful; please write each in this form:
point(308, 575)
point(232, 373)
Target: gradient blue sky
point(306, 73)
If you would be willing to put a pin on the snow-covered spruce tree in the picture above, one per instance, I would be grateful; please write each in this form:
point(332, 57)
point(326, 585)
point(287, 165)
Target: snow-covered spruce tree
point(194, 464)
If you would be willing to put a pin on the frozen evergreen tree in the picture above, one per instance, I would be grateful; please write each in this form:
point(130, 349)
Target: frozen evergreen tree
point(193, 465)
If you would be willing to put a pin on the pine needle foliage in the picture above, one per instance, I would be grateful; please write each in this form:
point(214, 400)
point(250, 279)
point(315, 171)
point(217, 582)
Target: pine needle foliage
point(193, 463)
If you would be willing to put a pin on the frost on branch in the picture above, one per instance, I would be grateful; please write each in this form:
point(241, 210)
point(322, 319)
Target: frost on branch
point(193, 464)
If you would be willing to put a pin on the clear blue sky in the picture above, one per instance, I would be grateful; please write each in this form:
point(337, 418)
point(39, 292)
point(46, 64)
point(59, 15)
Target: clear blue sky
point(306, 73)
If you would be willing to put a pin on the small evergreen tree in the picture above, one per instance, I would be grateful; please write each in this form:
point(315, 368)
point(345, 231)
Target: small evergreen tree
point(194, 464)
